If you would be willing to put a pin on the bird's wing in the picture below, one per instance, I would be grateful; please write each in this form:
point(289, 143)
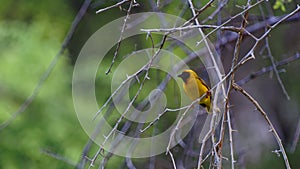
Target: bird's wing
point(202, 81)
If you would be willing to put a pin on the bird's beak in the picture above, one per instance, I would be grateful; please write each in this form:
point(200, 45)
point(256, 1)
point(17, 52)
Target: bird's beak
point(179, 75)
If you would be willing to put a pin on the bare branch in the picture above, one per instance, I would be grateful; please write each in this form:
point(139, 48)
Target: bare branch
point(227, 115)
point(145, 67)
point(161, 114)
point(244, 30)
point(264, 114)
point(120, 38)
point(173, 160)
point(204, 39)
point(172, 135)
point(112, 6)
point(58, 157)
point(171, 30)
point(230, 131)
point(270, 55)
point(130, 164)
point(220, 7)
point(296, 137)
point(208, 4)
point(268, 69)
point(279, 22)
point(229, 20)
point(203, 143)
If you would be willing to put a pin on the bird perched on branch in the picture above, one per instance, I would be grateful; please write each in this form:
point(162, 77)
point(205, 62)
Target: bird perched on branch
point(195, 87)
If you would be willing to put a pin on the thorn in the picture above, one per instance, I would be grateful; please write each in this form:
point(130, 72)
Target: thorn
point(121, 132)
point(231, 106)
point(252, 55)
point(277, 152)
point(225, 158)
point(148, 34)
point(102, 152)
point(238, 6)
point(86, 157)
point(282, 71)
point(270, 129)
point(137, 79)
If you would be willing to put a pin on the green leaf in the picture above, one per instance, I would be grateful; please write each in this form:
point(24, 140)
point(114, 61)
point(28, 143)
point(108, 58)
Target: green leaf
point(279, 4)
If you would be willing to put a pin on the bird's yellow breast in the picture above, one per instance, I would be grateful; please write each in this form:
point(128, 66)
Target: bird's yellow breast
point(195, 87)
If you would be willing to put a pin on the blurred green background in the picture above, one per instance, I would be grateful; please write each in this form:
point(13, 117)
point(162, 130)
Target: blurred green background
point(31, 34)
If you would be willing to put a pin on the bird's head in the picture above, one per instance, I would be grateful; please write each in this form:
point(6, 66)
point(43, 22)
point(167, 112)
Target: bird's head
point(186, 74)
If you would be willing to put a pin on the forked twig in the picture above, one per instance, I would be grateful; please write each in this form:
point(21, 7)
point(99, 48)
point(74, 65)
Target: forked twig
point(227, 118)
point(120, 38)
point(271, 57)
point(267, 69)
point(145, 67)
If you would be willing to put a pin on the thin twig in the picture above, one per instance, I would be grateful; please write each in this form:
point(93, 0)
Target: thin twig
point(180, 120)
point(112, 6)
point(84, 153)
point(245, 59)
point(218, 73)
point(204, 38)
point(134, 75)
point(159, 116)
point(173, 160)
point(233, 17)
point(129, 163)
point(208, 134)
point(120, 38)
point(258, 26)
point(51, 66)
point(208, 4)
point(230, 131)
point(279, 22)
point(145, 67)
point(237, 49)
point(275, 69)
point(296, 137)
point(119, 120)
point(58, 157)
point(171, 30)
point(153, 158)
point(250, 54)
point(220, 7)
point(267, 69)
point(264, 114)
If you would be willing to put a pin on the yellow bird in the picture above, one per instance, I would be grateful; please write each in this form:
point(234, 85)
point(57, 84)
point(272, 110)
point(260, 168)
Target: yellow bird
point(195, 87)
